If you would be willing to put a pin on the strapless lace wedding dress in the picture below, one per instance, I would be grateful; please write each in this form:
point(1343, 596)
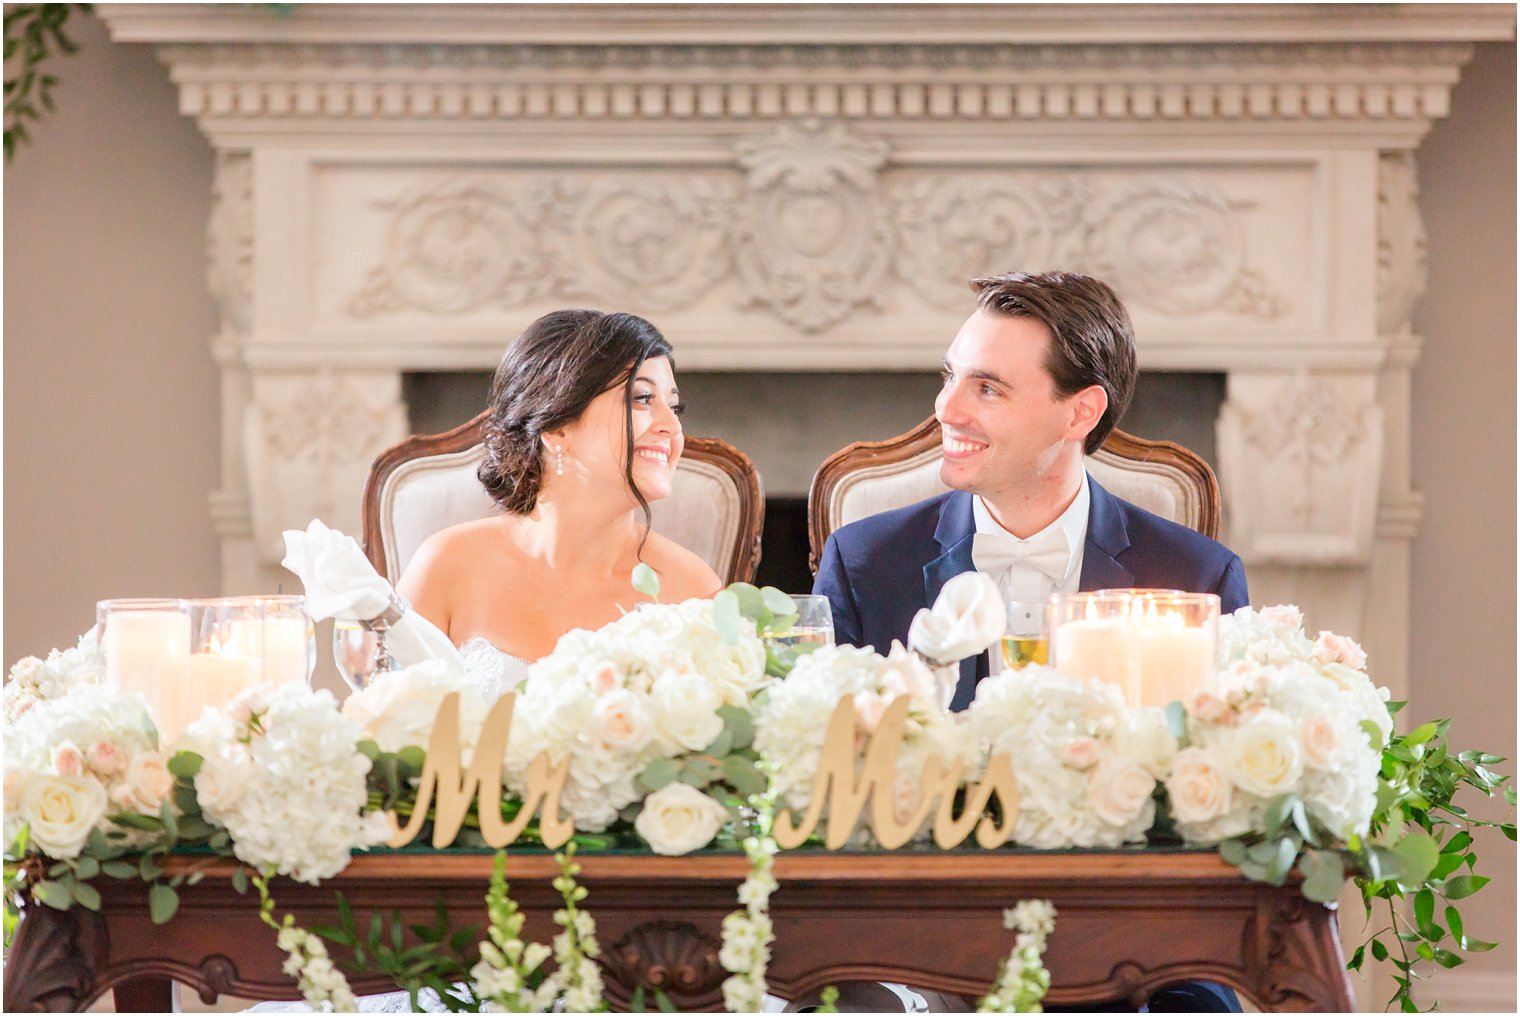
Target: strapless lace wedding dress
point(492, 672)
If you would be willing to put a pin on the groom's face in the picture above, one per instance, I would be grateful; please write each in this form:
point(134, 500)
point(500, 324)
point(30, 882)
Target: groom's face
point(1003, 425)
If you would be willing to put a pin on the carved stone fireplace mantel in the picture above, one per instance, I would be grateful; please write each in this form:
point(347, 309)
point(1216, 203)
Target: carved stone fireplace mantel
point(403, 187)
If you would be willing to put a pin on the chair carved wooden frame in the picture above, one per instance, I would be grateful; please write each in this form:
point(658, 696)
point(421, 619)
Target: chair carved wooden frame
point(735, 554)
point(1187, 488)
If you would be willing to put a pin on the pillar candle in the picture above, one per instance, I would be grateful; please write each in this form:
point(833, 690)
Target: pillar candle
point(1175, 660)
point(1096, 647)
point(145, 650)
point(281, 643)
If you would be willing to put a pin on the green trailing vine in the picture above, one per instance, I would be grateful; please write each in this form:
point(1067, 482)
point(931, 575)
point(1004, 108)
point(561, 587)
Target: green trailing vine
point(34, 33)
point(1415, 864)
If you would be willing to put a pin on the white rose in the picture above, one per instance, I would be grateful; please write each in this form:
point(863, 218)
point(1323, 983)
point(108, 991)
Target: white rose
point(1333, 648)
point(68, 760)
point(620, 721)
point(967, 617)
point(1080, 753)
point(678, 818)
point(1199, 789)
point(1120, 789)
point(105, 758)
point(686, 710)
point(220, 784)
point(150, 782)
point(61, 811)
point(1264, 756)
point(1322, 741)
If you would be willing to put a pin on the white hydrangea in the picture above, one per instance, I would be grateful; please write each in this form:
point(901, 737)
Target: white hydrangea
point(283, 776)
point(790, 728)
point(397, 710)
point(33, 680)
point(1086, 766)
point(644, 687)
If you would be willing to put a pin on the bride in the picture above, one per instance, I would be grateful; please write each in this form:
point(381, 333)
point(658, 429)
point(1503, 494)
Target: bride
point(584, 432)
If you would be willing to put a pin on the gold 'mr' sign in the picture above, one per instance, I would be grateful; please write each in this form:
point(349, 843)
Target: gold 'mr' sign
point(840, 786)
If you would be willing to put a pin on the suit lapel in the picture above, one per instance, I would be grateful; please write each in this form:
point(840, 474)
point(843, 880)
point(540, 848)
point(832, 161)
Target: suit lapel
point(955, 534)
point(1107, 538)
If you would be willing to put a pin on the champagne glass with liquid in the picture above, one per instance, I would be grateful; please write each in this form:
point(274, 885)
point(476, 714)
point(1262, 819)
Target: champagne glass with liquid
point(813, 628)
point(1026, 640)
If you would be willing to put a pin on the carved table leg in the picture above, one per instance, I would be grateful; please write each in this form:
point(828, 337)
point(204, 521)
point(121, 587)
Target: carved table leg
point(1293, 956)
point(145, 994)
point(54, 960)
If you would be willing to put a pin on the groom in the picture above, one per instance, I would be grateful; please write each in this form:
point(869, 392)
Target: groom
point(1037, 377)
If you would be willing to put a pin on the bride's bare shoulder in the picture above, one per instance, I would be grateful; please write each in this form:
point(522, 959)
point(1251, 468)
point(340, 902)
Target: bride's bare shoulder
point(683, 574)
point(456, 549)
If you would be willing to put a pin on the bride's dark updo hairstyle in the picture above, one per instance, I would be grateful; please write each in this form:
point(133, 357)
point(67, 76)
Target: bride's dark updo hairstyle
point(545, 380)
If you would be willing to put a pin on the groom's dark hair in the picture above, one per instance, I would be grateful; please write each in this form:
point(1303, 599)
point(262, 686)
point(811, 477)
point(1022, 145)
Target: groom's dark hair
point(545, 380)
point(1091, 339)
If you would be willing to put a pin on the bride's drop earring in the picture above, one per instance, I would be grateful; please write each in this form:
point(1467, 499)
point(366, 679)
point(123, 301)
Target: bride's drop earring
point(559, 460)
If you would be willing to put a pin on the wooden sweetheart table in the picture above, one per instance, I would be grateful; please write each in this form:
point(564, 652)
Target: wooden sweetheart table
point(1127, 922)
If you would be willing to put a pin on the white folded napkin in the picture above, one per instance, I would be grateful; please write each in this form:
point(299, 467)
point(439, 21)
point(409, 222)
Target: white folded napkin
point(967, 617)
point(340, 583)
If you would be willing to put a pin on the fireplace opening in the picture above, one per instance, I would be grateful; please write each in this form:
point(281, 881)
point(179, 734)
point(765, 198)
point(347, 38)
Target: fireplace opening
point(788, 423)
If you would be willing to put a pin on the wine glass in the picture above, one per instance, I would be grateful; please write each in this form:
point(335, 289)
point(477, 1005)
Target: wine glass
point(360, 654)
point(813, 627)
point(1026, 639)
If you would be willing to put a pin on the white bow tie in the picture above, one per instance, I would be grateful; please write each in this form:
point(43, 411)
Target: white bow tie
point(994, 553)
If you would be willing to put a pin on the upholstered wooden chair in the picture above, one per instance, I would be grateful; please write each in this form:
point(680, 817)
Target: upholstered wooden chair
point(427, 483)
point(876, 476)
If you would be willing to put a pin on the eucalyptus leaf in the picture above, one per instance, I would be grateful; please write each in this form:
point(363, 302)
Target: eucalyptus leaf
point(86, 867)
point(740, 725)
point(1278, 811)
point(721, 745)
point(726, 615)
point(741, 774)
point(1282, 861)
point(646, 580)
point(186, 764)
point(162, 903)
point(86, 896)
point(55, 894)
point(1176, 720)
point(778, 603)
point(119, 869)
point(413, 757)
point(1233, 852)
point(657, 774)
point(1324, 875)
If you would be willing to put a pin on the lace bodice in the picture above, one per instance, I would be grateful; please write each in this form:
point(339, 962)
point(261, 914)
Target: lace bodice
point(492, 672)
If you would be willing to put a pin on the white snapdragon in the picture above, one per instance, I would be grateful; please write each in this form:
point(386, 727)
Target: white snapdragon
point(1022, 980)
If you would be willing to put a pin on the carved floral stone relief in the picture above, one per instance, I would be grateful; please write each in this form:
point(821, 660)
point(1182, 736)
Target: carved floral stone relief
point(814, 229)
point(229, 239)
point(1401, 243)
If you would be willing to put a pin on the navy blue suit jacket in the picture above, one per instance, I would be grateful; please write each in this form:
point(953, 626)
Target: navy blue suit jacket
point(878, 572)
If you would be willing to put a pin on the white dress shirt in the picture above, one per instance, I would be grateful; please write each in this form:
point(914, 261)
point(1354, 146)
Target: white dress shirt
point(1021, 581)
